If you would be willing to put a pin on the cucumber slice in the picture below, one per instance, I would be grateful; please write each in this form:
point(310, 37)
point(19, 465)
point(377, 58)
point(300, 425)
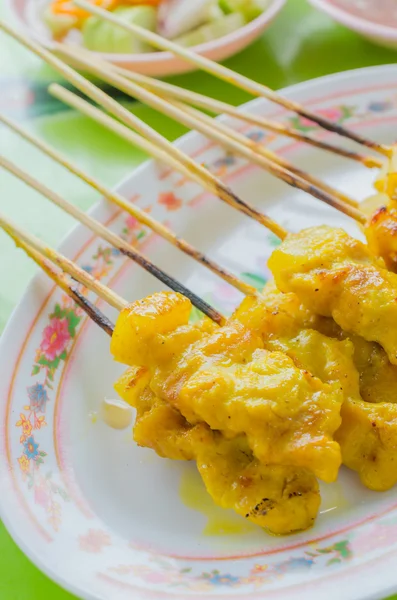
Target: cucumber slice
point(102, 36)
point(255, 8)
point(214, 12)
point(212, 31)
point(231, 6)
point(250, 9)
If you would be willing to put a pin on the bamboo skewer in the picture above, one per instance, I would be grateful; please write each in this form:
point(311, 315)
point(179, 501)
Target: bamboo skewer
point(117, 199)
point(167, 101)
point(211, 130)
point(219, 107)
point(113, 239)
point(267, 154)
point(266, 159)
point(338, 196)
point(81, 105)
point(199, 173)
point(69, 267)
point(234, 141)
point(163, 88)
point(191, 169)
point(103, 119)
point(101, 65)
point(230, 76)
point(260, 156)
point(67, 285)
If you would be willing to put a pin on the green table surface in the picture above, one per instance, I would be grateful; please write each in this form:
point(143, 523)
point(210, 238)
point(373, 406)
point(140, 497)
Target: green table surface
point(301, 44)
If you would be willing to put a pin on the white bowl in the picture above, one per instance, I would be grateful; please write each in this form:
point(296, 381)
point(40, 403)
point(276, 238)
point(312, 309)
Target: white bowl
point(375, 20)
point(157, 64)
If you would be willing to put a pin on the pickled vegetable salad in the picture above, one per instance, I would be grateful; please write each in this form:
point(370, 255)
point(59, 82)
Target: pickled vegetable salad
point(188, 22)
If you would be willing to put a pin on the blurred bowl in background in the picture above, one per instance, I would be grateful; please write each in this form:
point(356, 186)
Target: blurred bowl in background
point(375, 20)
point(155, 64)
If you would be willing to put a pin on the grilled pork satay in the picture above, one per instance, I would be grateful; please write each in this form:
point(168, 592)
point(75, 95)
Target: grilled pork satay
point(336, 276)
point(282, 499)
point(368, 434)
point(227, 379)
point(377, 376)
point(381, 227)
point(368, 439)
point(381, 234)
point(286, 326)
point(386, 182)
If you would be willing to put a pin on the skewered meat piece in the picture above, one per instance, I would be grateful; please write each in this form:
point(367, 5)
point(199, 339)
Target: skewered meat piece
point(381, 234)
point(226, 378)
point(281, 499)
point(386, 182)
point(381, 208)
point(368, 439)
point(336, 276)
point(368, 434)
point(286, 326)
point(377, 376)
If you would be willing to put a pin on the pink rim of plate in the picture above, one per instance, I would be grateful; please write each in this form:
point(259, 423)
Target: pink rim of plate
point(235, 41)
point(363, 26)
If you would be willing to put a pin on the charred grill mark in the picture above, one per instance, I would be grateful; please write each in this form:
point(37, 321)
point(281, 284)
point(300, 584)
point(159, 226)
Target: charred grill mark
point(139, 373)
point(262, 508)
point(245, 481)
point(378, 214)
point(336, 128)
point(230, 198)
point(294, 494)
point(174, 285)
point(92, 311)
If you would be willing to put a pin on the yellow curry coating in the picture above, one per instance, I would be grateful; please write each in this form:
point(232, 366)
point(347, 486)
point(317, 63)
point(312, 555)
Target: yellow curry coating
point(281, 499)
point(386, 182)
point(285, 325)
point(368, 434)
point(227, 379)
point(336, 276)
point(381, 234)
point(381, 228)
point(368, 438)
point(377, 376)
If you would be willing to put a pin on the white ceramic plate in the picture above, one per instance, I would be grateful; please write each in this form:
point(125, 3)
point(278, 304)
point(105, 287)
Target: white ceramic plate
point(105, 518)
point(373, 19)
point(155, 64)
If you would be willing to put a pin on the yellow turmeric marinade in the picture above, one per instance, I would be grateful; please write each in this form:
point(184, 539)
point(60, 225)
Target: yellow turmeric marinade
point(226, 378)
point(368, 434)
point(336, 276)
point(278, 498)
point(259, 427)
